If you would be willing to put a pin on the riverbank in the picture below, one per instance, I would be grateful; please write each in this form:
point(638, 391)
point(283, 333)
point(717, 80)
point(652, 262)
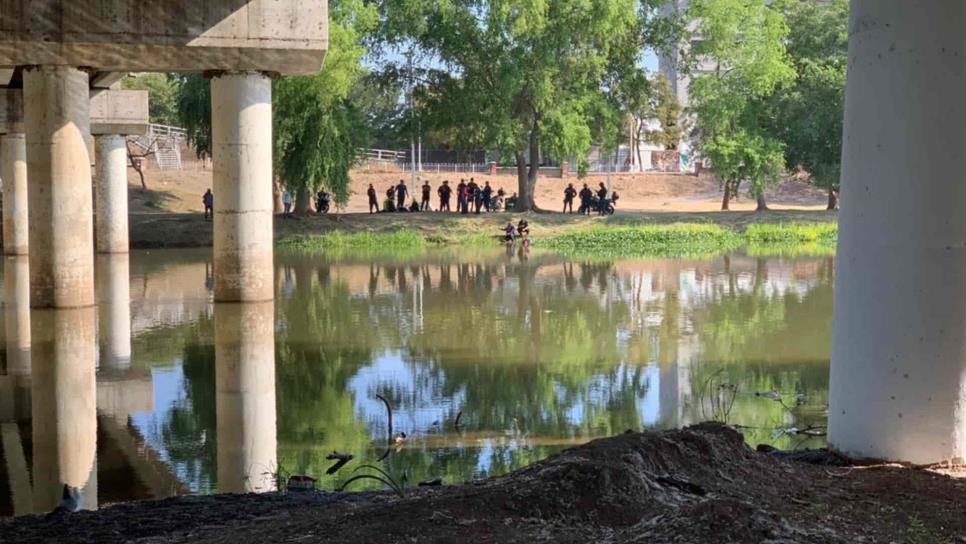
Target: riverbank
point(701, 484)
point(184, 230)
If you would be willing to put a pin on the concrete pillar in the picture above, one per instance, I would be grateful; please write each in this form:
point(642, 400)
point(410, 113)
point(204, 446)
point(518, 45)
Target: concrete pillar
point(16, 314)
point(110, 227)
point(898, 377)
point(63, 406)
point(241, 129)
point(13, 171)
point(245, 396)
point(114, 312)
point(57, 120)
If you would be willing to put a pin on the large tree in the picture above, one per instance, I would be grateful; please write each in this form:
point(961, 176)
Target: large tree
point(528, 77)
point(742, 45)
point(809, 113)
point(162, 95)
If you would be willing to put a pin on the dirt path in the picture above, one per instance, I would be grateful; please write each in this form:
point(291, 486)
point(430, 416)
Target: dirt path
point(700, 485)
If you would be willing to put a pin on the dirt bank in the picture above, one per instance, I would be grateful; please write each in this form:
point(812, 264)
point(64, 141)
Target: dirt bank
point(701, 484)
point(159, 230)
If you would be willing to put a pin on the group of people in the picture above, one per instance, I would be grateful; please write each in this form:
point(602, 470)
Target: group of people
point(588, 202)
point(521, 230)
point(469, 197)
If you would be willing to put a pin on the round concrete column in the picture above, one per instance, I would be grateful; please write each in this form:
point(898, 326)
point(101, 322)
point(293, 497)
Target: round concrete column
point(110, 226)
point(241, 131)
point(898, 379)
point(114, 312)
point(64, 406)
point(16, 303)
point(245, 396)
point(13, 171)
point(57, 120)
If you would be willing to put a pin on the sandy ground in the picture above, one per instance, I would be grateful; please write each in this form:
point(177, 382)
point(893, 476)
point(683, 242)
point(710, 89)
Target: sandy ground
point(180, 191)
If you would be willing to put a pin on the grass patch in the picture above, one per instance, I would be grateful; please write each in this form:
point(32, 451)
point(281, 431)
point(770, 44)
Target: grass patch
point(795, 233)
point(664, 240)
point(339, 240)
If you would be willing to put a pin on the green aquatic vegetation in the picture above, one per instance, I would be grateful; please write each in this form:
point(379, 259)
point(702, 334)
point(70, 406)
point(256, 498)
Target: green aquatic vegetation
point(798, 233)
point(678, 240)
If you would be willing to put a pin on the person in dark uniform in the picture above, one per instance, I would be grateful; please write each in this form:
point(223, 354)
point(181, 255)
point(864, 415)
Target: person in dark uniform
point(373, 203)
point(569, 194)
point(401, 193)
point(444, 194)
point(585, 195)
point(487, 196)
point(427, 190)
point(209, 201)
point(601, 199)
point(390, 198)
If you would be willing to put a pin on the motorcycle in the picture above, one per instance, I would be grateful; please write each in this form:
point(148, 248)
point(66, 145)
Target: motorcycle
point(594, 205)
point(323, 202)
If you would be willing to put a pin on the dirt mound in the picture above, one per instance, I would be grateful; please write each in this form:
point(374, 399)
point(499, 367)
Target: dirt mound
point(701, 484)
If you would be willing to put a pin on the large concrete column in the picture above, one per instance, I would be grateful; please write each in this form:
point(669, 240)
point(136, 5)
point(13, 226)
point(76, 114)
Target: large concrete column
point(898, 380)
point(110, 227)
point(63, 406)
point(245, 396)
point(57, 120)
point(241, 130)
point(114, 312)
point(13, 171)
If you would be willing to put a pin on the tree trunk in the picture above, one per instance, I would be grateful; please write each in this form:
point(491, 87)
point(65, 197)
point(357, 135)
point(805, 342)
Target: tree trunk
point(726, 200)
point(762, 205)
point(522, 178)
point(277, 205)
point(302, 201)
point(527, 189)
point(640, 134)
point(833, 199)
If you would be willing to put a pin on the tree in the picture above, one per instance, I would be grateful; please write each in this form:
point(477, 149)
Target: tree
point(808, 114)
point(665, 107)
point(194, 111)
point(527, 77)
point(162, 95)
point(743, 40)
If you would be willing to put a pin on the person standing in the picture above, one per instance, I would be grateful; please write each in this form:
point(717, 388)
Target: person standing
point(602, 199)
point(569, 194)
point(287, 204)
point(487, 196)
point(427, 190)
point(461, 195)
point(401, 193)
point(208, 199)
point(585, 195)
point(373, 202)
point(444, 194)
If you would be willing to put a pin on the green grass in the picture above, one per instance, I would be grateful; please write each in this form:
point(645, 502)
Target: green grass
point(797, 233)
point(674, 240)
point(658, 240)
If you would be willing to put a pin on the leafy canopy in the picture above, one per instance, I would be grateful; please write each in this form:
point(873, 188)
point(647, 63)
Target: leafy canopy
point(742, 42)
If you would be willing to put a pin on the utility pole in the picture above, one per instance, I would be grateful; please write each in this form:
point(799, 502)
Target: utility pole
point(412, 116)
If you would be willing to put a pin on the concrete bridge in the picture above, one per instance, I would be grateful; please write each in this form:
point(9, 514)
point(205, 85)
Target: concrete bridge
point(61, 112)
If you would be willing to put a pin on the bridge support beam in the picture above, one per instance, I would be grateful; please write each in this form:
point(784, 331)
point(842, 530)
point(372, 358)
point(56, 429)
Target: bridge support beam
point(241, 130)
point(898, 379)
point(13, 154)
point(57, 123)
point(110, 226)
point(245, 396)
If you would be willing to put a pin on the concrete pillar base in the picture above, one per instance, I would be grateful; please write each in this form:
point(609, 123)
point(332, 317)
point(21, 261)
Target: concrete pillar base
point(241, 129)
point(13, 154)
point(57, 122)
point(110, 227)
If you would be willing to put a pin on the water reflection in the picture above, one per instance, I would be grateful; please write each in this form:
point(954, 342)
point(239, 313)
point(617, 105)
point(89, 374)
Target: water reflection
point(529, 353)
point(64, 411)
point(245, 396)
